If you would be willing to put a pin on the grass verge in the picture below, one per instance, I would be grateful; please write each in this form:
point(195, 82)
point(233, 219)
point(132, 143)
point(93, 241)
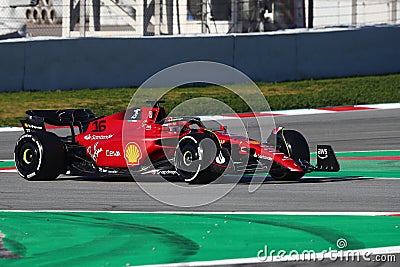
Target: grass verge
point(280, 96)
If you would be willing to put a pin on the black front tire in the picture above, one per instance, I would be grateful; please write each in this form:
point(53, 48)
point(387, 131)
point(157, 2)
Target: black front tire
point(194, 168)
point(295, 146)
point(39, 156)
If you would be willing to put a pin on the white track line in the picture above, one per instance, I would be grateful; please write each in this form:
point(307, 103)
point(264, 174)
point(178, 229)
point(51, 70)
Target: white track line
point(379, 150)
point(313, 111)
point(381, 106)
point(303, 112)
point(294, 213)
point(338, 177)
point(10, 129)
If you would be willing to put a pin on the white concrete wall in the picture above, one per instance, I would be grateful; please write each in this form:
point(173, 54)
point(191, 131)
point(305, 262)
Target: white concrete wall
point(328, 13)
point(97, 63)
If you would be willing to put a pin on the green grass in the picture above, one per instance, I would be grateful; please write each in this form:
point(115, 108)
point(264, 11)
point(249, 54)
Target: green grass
point(280, 96)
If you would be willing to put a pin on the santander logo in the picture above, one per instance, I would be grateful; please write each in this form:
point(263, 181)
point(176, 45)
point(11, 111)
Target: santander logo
point(97, 137)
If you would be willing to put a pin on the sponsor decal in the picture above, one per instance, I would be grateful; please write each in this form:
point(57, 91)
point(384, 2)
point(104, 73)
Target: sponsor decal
point(97, 137)
point(161, 172)
point(276, 130)
point(132, 153)
point(136, 114)
point(261, 156)
point(148, 127)
point(31, 175)
point(150, 114)
point(31, 126)
point(107, 171)
point(252, 142)
point(220, 159)
point(322, 153)
point(173, 119)
point(112, 153)
point(94, 152)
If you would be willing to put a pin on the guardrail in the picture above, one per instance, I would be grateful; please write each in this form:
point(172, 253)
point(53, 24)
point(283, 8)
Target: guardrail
point(289, 55)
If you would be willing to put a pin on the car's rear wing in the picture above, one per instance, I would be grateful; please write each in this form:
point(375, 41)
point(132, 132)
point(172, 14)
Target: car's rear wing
point(36, 119)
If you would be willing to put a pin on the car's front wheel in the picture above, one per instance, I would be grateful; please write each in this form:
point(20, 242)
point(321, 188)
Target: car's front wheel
point(295, 146)
point(39, 156)
point(199, 159)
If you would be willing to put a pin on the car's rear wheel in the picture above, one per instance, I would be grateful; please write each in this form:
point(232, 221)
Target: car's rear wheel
point(194, 159)
point(295, 146)
point(39, 156)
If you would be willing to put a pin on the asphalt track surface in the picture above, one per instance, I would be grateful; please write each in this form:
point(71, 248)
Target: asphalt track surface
point(345, 131)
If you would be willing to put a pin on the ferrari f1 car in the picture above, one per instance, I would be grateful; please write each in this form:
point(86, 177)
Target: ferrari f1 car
point(145, 141)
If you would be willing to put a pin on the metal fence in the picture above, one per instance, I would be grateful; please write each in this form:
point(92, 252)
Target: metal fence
point(121, 18)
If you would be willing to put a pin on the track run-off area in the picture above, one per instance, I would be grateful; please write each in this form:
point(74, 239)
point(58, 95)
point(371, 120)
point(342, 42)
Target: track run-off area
point(93, 221)
point(124, 239)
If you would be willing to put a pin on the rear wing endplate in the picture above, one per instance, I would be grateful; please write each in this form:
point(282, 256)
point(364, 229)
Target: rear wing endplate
point(33, 124)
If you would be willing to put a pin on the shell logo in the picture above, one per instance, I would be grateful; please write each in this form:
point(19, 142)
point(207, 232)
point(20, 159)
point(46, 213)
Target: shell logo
point(132, 153)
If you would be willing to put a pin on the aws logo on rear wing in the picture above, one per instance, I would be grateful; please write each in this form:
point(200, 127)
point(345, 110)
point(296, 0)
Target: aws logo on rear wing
point(322, 153)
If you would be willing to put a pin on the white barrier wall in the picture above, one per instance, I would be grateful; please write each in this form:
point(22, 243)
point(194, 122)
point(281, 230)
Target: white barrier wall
point(97, 63)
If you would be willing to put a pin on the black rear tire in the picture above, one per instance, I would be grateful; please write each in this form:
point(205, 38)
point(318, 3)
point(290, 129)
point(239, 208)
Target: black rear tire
point(295, 146)
point(39, 156)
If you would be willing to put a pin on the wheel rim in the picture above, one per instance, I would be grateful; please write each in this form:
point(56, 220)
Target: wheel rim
point(27, 158)
point(188, 163)
point(187, 158)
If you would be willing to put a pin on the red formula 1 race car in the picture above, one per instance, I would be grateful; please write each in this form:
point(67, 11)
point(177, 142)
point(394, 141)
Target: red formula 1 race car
point(145, 141)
